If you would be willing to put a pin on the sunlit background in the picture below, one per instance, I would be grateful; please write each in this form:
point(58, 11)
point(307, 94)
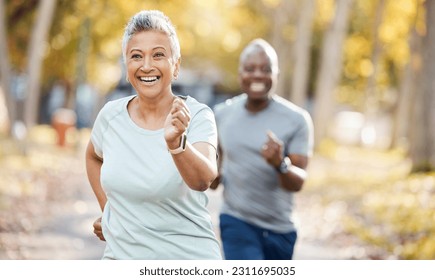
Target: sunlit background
point(364, 69)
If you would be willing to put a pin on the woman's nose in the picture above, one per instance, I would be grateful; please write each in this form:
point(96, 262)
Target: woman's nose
point(147, 64)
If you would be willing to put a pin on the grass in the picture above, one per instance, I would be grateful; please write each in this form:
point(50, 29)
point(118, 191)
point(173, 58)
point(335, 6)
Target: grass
point(387, 206)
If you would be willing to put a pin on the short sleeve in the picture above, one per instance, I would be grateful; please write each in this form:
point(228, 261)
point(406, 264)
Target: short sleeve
point(202, 127)
point(98, 129)
point(302, 141)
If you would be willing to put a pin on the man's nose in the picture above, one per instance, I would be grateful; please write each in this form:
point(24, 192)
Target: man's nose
point(259, 72)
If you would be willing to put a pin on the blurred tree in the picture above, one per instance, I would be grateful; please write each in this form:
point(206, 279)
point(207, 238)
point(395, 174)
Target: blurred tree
point(5, 75)
point(330, 69)
point(35, 56)
point(408, 87)
point(371, 104)
point(423, 132)
point(302, 52)
point(281, 16)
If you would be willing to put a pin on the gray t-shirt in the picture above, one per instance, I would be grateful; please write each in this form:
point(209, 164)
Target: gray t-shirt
point(251, 187)
point(151, 213)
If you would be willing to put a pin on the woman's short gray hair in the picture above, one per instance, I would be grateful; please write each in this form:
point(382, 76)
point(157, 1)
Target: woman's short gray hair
point(151, 20)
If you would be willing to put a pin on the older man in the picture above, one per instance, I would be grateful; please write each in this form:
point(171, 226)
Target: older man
point(265, 143)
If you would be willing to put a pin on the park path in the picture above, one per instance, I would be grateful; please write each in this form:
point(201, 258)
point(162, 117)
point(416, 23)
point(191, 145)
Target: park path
point(310, 246)
point(65, 232)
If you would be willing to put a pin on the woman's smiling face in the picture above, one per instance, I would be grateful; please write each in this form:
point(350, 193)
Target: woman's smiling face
point(150, 66)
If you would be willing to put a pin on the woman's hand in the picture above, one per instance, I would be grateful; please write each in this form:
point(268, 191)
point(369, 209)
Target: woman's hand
point(176, 123)
point(98, 229)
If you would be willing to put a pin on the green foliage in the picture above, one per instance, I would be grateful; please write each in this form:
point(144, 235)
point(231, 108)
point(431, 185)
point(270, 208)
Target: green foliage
point(20, 15)
point(387, 206)
point(400, 216)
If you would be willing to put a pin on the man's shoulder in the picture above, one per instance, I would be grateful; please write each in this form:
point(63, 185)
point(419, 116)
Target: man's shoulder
point(286, 106)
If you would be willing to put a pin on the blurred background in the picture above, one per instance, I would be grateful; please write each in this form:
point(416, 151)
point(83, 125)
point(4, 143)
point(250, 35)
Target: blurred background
point(364, 69)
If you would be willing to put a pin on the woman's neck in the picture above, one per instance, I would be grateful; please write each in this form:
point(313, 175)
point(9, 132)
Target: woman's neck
point(151, 114)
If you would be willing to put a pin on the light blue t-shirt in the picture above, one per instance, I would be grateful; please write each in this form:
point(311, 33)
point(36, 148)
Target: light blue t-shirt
point(150, 212)
point(251, 186)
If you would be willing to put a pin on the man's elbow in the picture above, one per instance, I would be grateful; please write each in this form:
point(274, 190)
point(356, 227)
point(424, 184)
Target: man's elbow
point(294, 186)
point(298, 187)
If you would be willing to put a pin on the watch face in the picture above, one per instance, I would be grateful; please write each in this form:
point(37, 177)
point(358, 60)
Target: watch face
point(183, 141)
point(182, 146)
point(283, 168)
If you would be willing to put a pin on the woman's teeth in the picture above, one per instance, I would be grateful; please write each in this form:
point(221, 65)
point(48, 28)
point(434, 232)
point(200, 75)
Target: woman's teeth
point(149, 79)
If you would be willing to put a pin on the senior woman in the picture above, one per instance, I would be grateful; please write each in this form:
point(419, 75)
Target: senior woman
point(152, 155)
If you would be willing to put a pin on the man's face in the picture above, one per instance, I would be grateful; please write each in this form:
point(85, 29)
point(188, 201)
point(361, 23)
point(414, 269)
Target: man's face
point(258, 76)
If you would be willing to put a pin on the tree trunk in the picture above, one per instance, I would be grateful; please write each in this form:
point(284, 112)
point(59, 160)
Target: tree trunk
point(5, 74)
point(423, 135)
point(302, 54)
point(280, 18)
point(406, 95)
point(371, 106)
point(330, 69)
point(35, 58)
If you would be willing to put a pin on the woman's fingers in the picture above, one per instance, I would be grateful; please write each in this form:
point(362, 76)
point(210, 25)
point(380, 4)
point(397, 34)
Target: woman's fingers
point(98, 231)
point(180, 115)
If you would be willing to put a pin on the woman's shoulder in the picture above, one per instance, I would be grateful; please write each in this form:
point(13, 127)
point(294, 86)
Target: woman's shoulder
point(115, 107)
point(194, 105)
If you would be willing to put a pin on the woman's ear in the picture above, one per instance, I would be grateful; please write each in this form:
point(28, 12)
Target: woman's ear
point(177, 68)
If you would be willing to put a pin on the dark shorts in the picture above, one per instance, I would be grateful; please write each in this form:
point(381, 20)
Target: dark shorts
point(243, 241)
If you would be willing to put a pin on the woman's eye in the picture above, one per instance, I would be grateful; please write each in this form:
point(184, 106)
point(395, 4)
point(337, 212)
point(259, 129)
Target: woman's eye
point(159, 54)
point(136, 56)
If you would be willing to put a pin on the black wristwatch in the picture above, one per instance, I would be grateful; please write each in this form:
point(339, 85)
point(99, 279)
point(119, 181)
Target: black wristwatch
point(284, 166)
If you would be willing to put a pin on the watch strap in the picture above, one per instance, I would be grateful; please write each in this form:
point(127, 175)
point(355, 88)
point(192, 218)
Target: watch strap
point(182, 146)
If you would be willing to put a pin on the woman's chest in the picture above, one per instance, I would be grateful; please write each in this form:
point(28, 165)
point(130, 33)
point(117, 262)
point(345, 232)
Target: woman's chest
point(140, 168)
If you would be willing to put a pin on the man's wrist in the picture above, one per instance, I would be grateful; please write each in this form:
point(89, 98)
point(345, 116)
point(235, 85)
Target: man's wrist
point(284, 166)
